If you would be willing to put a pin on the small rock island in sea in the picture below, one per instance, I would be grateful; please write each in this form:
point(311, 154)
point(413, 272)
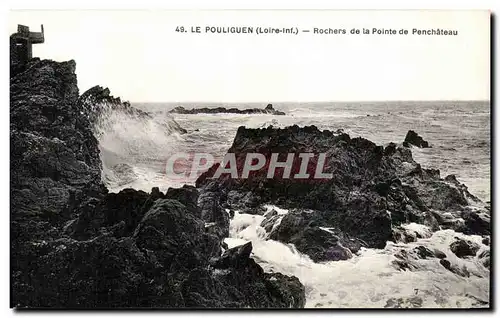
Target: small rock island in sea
point(412, 138)
point(268, 110)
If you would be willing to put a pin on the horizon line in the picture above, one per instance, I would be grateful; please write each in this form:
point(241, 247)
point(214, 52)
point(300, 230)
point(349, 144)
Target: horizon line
point(331, 101)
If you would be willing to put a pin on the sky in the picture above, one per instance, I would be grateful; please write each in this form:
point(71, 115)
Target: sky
point(141, 58)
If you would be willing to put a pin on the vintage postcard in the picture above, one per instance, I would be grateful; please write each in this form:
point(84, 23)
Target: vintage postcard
point(250, 159)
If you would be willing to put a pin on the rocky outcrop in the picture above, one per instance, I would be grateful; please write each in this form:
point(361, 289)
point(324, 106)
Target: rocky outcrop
point(267, 110)
point(463, 248)
point(412, 138)
point(134, 249)
point(76, 245)
point(239, 258)
point(372, 190)
point(406, 259)
point(55, 162)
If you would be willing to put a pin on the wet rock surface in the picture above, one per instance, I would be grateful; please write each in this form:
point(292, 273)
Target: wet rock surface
point(460, 271)
point(463, 248)
point(320, 244)
point(74, 245)
point(484, 257)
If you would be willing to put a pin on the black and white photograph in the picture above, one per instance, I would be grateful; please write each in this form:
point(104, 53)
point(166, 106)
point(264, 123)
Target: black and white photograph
point(250, 159)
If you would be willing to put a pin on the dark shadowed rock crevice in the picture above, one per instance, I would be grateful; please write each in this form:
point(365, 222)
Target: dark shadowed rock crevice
point(464, 248)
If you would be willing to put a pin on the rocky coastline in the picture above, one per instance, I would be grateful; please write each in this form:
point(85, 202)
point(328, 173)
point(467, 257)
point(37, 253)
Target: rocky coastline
point(75, 245)
point(373, 191)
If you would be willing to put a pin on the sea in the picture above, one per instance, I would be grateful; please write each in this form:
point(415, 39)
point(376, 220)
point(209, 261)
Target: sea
point(135, 152)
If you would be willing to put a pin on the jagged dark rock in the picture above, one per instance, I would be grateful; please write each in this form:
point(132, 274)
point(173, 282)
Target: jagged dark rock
point(245, 202)
point(446, 263)
point(177, 237)
point(74, 245)
point(406, 259)
point(279, 286)
point(211, 211)
point(486, 241)
point(373, 189)
point(98, 99)
point(320, 244)
point(127, 206)
point(412, 138)
point(54, 157)
point(463, 248)
point(476, 222)
point(268, 110)
point(235, 256)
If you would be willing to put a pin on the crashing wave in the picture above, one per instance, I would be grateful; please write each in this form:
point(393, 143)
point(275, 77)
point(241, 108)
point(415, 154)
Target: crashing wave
point(127, 136)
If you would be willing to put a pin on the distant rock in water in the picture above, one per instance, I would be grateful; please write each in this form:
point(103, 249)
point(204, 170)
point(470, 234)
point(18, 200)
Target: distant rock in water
point(412, 138)
point(268, 110)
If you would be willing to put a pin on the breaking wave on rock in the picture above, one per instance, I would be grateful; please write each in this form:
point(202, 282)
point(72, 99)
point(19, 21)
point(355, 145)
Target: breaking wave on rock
point(134, 145)
point(374, 278)
point(421, 269)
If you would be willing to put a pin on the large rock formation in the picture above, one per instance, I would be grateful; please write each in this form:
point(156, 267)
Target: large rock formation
point(55, 161)
point(205, 110)
point(372, 190)
point(76, 245)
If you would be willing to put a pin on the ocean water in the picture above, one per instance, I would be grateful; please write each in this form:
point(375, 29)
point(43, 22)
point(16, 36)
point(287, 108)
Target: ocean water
point(135, 151)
